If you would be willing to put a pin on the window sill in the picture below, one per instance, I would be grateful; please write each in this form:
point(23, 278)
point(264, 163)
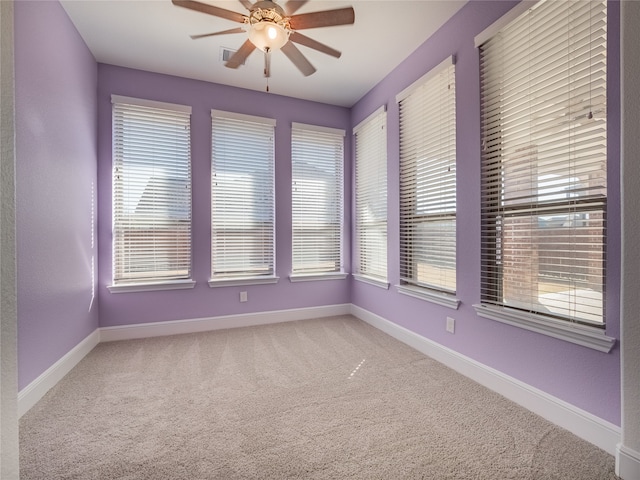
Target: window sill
point(432, 296)
point(311, 277)
point(152, 286)
point(376, 282)
point(584, 335)
point(230, 282)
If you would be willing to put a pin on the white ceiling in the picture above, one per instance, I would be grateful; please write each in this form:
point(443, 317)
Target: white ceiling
point(153, 35)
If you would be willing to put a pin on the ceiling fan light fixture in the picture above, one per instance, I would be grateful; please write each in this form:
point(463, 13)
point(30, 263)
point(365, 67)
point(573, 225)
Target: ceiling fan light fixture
point(268, 35)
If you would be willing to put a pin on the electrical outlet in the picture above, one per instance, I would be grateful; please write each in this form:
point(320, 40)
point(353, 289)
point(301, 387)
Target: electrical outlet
point(243, 297)
point(451, 325)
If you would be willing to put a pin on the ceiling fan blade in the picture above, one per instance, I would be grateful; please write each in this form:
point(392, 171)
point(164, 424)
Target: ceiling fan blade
point(247, 4)
point(326, 18)
point(241, 55)
point(292, 6)
point(311, 43)
point(224, 32)
point(210, 9)
point(298, 59)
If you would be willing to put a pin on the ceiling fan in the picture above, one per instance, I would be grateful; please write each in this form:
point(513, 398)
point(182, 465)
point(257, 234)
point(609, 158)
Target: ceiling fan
point(272, 27)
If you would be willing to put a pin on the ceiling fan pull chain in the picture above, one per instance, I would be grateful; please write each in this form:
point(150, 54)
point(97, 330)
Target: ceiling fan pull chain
point(267, 64)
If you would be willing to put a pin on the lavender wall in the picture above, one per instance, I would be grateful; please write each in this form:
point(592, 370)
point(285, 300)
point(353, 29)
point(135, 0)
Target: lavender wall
point(583, 377)
point(56, 144)
point(203, 301)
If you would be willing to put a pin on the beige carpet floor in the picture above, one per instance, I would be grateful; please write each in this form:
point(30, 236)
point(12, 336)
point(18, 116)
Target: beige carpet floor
point(330, 398)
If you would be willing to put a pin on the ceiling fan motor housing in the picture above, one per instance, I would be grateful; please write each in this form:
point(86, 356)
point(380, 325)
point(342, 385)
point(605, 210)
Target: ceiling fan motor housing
point(270, 9)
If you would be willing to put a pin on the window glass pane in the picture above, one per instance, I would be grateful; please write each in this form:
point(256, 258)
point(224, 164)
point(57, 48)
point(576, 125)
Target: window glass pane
point(438, 261)
point(553, 264)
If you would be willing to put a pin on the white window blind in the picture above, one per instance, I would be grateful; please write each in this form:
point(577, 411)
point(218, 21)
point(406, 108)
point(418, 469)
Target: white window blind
point(242, 196)
point(543, 97)
point(151, 191)
point(317, 156)
point(428, 182)
point(371, 195)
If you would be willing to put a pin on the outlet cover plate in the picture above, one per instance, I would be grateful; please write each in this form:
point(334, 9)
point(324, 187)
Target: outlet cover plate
point(451, 325)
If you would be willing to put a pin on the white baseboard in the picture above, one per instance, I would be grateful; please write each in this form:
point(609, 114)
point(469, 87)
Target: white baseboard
point(176, 327)
point(627, 463)
point(32, 393)
point(585, 425)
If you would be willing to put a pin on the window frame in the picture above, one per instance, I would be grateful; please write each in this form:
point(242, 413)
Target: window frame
point(333, 138)
point(409, 284)
point(142, 108)
point(371, 187)
point(499, 208)
point(264, 129)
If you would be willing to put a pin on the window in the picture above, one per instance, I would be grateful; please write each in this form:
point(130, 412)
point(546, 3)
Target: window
point(317, 156)
point(428, 187)
point(151, 194)
point(371, 197)
point(544, 163)
point(242, 199)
